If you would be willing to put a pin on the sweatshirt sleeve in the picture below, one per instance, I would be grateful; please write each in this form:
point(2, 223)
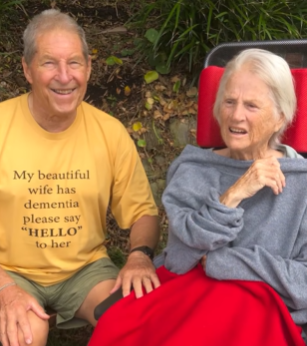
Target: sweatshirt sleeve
point(288, 276)
point(198, 222)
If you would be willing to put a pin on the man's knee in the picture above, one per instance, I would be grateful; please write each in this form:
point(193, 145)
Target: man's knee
point(97, 294)
point(39, 328)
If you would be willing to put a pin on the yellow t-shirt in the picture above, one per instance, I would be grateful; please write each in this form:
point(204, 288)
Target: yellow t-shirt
point(55, 189)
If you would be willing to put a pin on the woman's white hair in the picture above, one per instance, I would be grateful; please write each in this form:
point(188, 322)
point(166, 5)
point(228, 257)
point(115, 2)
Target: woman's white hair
point(274, 71)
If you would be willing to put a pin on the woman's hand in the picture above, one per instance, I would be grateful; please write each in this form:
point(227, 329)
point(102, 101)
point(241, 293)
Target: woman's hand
point(203, 262)
point(263, 172)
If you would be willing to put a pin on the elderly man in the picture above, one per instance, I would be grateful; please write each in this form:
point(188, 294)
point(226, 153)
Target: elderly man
point(63, 162)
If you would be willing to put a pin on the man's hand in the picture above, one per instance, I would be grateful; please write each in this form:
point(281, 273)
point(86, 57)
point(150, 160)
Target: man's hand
point(263, 172)
point(14, 304)
point(138, 272)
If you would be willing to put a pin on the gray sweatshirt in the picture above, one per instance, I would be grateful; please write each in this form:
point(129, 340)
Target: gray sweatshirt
point(263, 239)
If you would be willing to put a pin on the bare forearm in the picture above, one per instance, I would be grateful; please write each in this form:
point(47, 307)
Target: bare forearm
point(230, 198)
point(4, 277)
point(139, 270)
point(145, 231)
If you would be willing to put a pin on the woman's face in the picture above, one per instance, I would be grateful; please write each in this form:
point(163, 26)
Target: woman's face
point(247, 118)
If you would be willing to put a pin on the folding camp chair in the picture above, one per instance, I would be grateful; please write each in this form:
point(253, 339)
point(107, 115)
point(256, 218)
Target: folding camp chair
point(293, 51)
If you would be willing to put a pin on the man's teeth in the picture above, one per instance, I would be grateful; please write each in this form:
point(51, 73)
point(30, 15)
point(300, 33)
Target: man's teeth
point(63, 92)
point(237, 130)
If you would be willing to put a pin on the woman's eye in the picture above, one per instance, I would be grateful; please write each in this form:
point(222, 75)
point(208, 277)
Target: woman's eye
point(251, 105)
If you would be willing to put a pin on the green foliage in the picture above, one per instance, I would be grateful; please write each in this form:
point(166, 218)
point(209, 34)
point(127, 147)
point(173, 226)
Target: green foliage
point(7, 5)
point(6, 9)
point(187, 30)
point(113, 60)
point(151, 76)
point(117, 256)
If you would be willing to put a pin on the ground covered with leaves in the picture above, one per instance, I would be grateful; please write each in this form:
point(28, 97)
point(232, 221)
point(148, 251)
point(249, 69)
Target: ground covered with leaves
point(122, 85)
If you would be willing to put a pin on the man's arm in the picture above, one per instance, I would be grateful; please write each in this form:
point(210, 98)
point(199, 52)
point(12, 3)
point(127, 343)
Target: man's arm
point(145, 231)
point(139, 270)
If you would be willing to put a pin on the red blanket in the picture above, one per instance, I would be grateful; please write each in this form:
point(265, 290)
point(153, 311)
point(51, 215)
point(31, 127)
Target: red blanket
point(195, 310)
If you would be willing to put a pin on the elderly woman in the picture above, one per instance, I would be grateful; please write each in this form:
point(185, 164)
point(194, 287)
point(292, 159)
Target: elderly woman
point(240, 211)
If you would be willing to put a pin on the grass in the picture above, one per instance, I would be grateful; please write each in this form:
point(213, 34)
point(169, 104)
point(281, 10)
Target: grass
point(185, 30)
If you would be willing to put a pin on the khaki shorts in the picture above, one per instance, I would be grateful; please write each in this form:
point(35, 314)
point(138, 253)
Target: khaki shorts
point(66, 297)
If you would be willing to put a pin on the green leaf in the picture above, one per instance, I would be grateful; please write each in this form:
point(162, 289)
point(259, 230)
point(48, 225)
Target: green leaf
point(112, 60)
point(127, 52)
point(152, 35)
point(138, 42)
point(163, 68)
point(176, 86)
point(151, 76)
point(141, 143)
point(148, 106)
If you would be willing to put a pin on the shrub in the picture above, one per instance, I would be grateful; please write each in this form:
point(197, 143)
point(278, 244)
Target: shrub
point(6, 8)
point(186, 29)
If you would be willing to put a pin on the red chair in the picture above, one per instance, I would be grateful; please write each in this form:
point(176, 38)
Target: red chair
point(293, 51)
point(208, 133)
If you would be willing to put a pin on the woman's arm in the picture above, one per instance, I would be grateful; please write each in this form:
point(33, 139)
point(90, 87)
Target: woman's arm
point(198, 222)
point(288, 276)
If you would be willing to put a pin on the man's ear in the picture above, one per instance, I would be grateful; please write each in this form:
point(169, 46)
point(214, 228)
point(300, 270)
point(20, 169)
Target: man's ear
point(89, 67)
point(26, 71)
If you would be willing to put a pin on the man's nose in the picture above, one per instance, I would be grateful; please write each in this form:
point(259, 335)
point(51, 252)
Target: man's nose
point(63, 75)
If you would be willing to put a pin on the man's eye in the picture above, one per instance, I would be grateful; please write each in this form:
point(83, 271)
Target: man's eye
point(74, 63)
point(48, 63)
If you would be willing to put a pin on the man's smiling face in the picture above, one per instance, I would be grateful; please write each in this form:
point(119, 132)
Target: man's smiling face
point(58, 74)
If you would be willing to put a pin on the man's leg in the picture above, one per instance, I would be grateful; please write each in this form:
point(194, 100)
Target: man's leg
point(76, 298)
point(39, 327)
point(97, 294)
point(40, 330)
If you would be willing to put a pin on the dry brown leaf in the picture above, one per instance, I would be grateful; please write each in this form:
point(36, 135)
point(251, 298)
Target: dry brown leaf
point(192, 92)
point(166, 117)
point(117, 30)
point(189, 104)
point(175, 79)
point(166, 109)
point(192, 111)
point(172, 105)
point(148, 94)
point(143, 130)
point(160, 87)
point(162, 101)
point(157, 114)
point(150, 100)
